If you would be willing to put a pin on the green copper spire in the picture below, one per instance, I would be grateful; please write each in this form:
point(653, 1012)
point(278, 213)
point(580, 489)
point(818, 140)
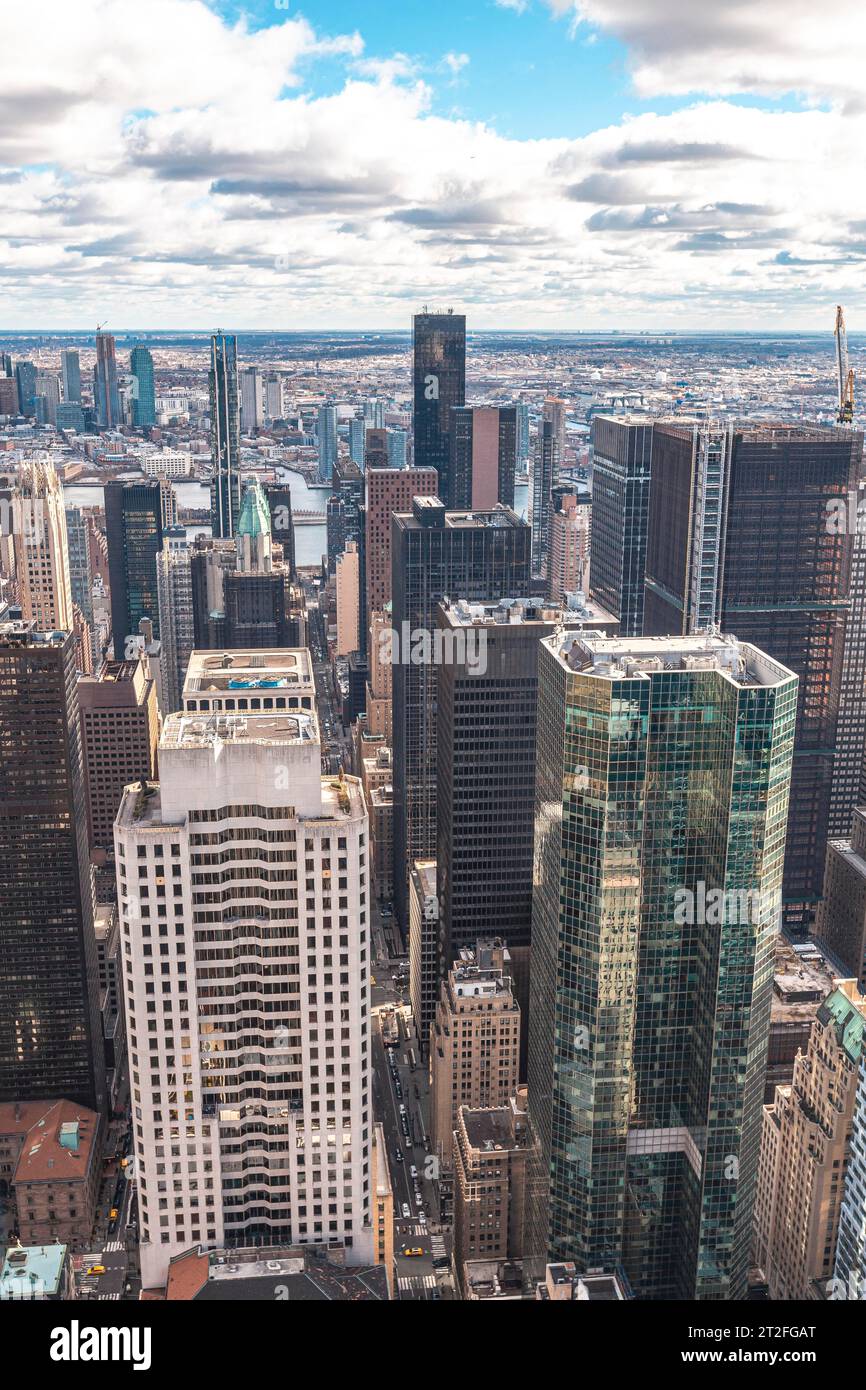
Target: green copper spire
point(255, 517)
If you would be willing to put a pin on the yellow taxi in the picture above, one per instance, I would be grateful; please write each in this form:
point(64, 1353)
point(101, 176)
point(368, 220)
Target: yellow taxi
point(412, 1252)
point(96, 1269)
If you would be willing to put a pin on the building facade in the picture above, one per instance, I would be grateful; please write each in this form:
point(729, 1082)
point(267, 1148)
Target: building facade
point(438, 385)
point(662, 797)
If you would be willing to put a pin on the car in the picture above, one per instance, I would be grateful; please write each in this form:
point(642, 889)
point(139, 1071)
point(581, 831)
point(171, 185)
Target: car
point(402, 1110)
point(112, 1215)
point(398, 1090)
point(413, 1253)
point(422, 1218)
point(413, 1171)
point(96, 1269)
point(398, 1154)
point(405, 1209)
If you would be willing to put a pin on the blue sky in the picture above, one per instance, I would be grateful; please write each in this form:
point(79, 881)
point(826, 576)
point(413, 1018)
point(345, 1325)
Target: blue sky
point(529, 75)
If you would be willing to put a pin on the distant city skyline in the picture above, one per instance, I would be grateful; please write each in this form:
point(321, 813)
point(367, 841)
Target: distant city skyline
point(537, 164)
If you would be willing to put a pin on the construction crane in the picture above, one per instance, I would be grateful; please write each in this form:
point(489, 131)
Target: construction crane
point(845, 374)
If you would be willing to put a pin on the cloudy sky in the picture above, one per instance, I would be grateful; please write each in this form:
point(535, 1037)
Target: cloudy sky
point(336, 163)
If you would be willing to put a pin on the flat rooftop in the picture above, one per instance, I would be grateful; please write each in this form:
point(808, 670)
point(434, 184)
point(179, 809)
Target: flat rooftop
point(200, 731)
point(490, 1130)
point(629, 658)
point(802, 979)
point(248, 670)
point(36, 1266)
point(524, 611)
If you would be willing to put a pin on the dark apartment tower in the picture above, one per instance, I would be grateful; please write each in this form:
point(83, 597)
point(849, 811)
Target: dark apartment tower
point(483, 457)
point(348, 484)
point(476, 556)
point(256, 610)
point(439, 384)
point(621, 474)
point(225, 491)
point(335, 530)
point(544, 469)
point(134, 531)
point(50, 1031)
point(282, 527)
point(105, 390)
point(742, 534)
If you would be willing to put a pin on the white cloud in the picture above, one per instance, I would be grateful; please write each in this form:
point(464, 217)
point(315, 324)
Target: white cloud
point(768, 46)
point(181, 173)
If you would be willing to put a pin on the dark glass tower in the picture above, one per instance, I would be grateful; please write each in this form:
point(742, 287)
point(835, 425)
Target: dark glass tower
point(621, 476)
point(50, 1031)
point(25, 376)
point(439, 384)
point(133, 526)
point(663, 775)
point(144, 401)
point(225, 491)
point(107, 396)
point(282, 526)
point(434, 554)
point(741, 534)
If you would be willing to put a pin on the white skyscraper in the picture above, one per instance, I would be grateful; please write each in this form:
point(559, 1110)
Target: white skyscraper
point(243, 883)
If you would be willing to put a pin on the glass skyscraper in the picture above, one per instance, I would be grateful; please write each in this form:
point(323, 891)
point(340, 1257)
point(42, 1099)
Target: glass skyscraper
point(621, 476)
point(663, 774)
point(225, 490)
point(70, 372)
point(134, 530)
point(439, 384)
point(144, 400)
point(327, 435)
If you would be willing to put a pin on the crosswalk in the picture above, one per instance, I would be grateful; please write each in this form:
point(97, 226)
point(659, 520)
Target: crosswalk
point(108, 1297)
point(437, 1245)
point(416, 1283)
point(115, 1245)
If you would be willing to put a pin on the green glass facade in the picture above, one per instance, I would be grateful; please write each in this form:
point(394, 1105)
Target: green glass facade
point(659, 791)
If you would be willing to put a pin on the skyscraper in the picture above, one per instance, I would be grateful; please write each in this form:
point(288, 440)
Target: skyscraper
point(119, 731)
point(40, 547)
point(621, 475)
point(327, 436)
point(438, 385)
point(50, 1034)
point(105, 393)
point(398, 444)
point(272, 1144)
point(279, 497)
point(849, 1275)
point(804, 1151)
point(544, 468)
point(225, 494)
point(740, 534)
point(25, 376)
point(357, 440)
point(389, 490)
point(570, 521)
point(663, 773)
point(144, 395)
point(483, 457)
point(70, 374)
point(486, 710)
point(434, 553)
point(134, 530)
point(252, 402)
point(176, 629)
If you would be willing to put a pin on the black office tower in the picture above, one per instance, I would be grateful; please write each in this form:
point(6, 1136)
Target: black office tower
point(225, 491)
point(621, 476)
point(50, 1031)
point(439, 384)
point(477, 556)
point(743, 534)
point(134, 529)
point(544, 470)
point(282, 525)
